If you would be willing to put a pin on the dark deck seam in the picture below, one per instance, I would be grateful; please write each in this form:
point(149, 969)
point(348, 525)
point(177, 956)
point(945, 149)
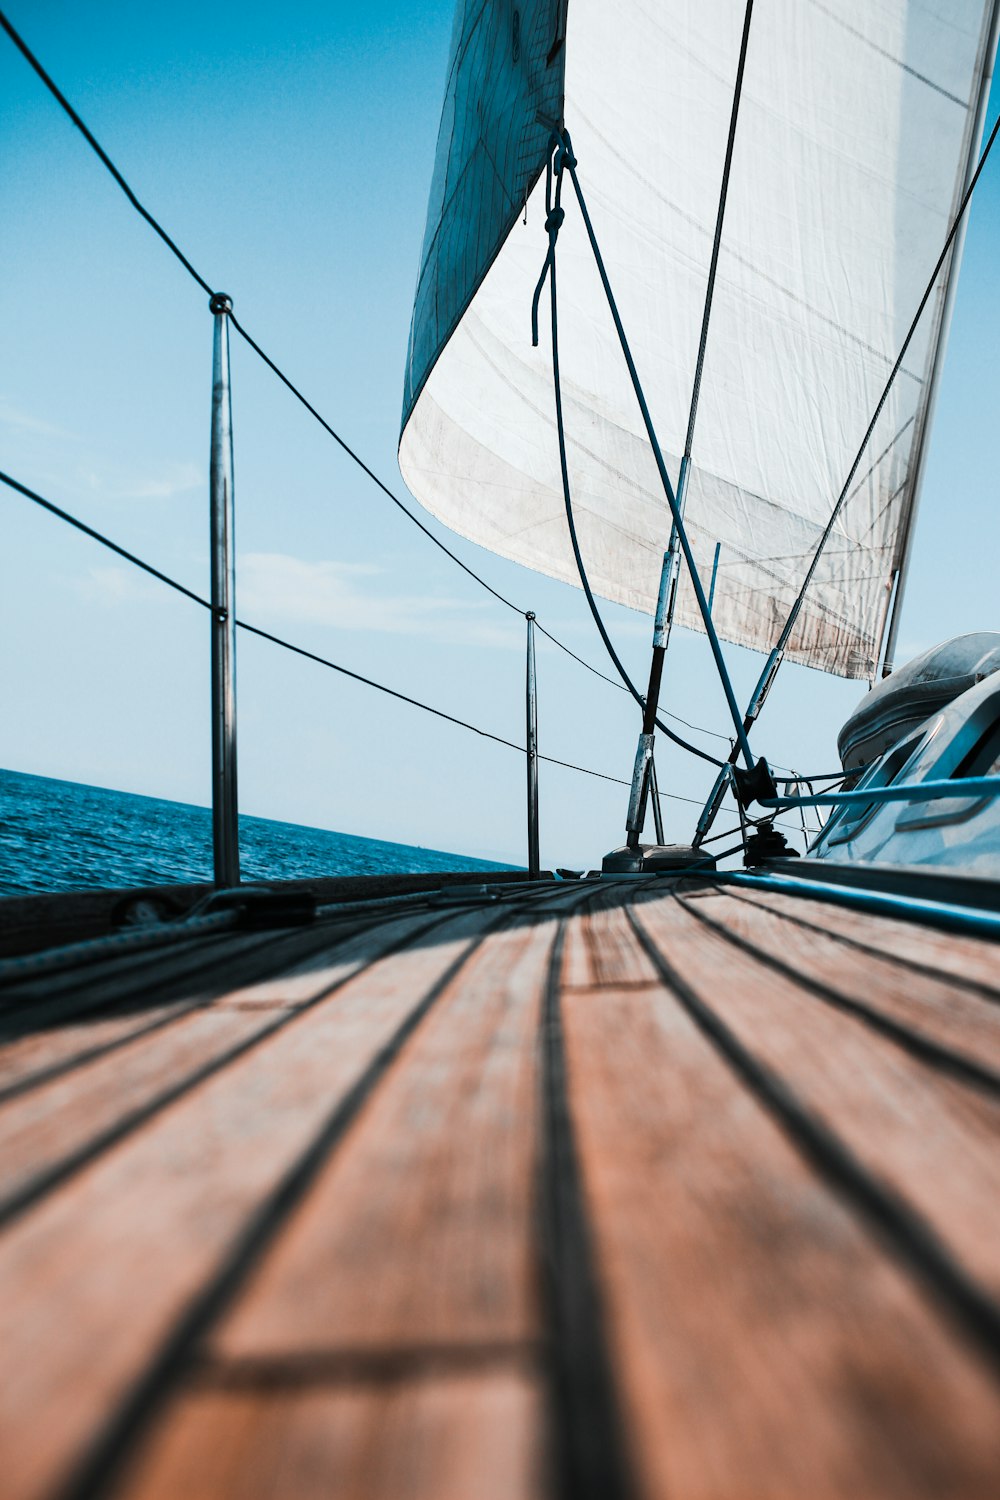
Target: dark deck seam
point(590, 1460)
point(246, 962)
point(97, 1472)
point(68, 986)
point(917, 1043)
point(316, 1369)
point(123, 983)
point(899, 1226)
point(54, 1176)
point(52, 998)
point(943, 976)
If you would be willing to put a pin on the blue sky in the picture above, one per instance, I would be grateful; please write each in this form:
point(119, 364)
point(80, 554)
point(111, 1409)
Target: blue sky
point(289, 150)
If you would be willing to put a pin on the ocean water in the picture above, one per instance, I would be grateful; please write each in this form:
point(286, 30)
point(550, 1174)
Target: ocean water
point(63, 836)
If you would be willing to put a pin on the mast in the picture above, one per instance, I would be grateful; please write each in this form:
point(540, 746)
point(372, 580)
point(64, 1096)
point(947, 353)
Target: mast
point(904, 550)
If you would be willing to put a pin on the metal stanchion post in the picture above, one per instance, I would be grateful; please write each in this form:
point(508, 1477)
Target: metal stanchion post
point(225, 807)
point(531, 751)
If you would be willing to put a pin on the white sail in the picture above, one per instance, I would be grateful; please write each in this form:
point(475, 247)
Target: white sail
point(857, 125)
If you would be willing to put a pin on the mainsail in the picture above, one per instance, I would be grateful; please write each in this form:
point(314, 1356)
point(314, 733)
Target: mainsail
point(858, 123)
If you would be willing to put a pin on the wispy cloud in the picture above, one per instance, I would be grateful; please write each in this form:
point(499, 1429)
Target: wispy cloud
point(108, 479)
point(14, 417)
point(114, 584)
point(284, 592)
point(355, 596)
point(172, 479)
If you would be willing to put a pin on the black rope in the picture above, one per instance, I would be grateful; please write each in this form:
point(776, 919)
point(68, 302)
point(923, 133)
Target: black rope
point(597, 673)
point(553, 222)
point(180, 588)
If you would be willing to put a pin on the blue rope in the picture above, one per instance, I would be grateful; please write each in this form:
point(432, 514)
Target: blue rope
point(920, 791)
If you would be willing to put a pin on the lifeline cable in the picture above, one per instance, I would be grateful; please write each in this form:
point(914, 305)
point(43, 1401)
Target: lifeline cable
point(96, 146)
point(173, 247)
point(106, 161)
point(427, 532)
point(180, 588)
point(175, 250)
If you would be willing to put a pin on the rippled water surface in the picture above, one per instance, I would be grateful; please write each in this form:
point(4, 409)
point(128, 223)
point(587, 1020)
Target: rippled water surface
point(61, 835)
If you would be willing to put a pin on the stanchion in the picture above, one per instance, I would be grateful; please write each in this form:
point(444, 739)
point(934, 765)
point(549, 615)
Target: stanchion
point(531, 751)
point(225, 806)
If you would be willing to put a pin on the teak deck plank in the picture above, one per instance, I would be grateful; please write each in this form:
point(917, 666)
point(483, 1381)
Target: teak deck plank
point(419, 1232)
point(47, 1130)
point(933, 1008)
point(961, 960)
point(930, 1140)
point(97, 1276)
point(764, 1343)
point(407, 1273)
point(25, 1058)
point(474, 1437)
point(599, 948)
point(450, 1206)
point(59, 1122)
point(57, 1022)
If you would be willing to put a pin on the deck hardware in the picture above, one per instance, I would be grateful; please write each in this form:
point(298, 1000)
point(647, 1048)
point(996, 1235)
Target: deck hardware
point(755, 784)
point(765, 844)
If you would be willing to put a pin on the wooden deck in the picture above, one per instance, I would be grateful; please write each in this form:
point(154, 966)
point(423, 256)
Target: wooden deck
point(590, 1190)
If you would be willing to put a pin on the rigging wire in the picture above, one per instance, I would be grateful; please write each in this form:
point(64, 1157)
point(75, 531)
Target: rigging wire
point(774, 661)
point(793, 613)
point(673, 560)
point(555, 215)
point(713, 267)
point(567, 158)
point(175, 250)
point(250, 629)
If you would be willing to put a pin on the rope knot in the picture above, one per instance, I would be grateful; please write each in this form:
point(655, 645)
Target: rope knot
point(554, 221)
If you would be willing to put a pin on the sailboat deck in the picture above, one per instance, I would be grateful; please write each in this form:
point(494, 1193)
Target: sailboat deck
point(602, 1189)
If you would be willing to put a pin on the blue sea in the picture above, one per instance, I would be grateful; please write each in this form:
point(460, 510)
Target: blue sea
point(63, 836)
